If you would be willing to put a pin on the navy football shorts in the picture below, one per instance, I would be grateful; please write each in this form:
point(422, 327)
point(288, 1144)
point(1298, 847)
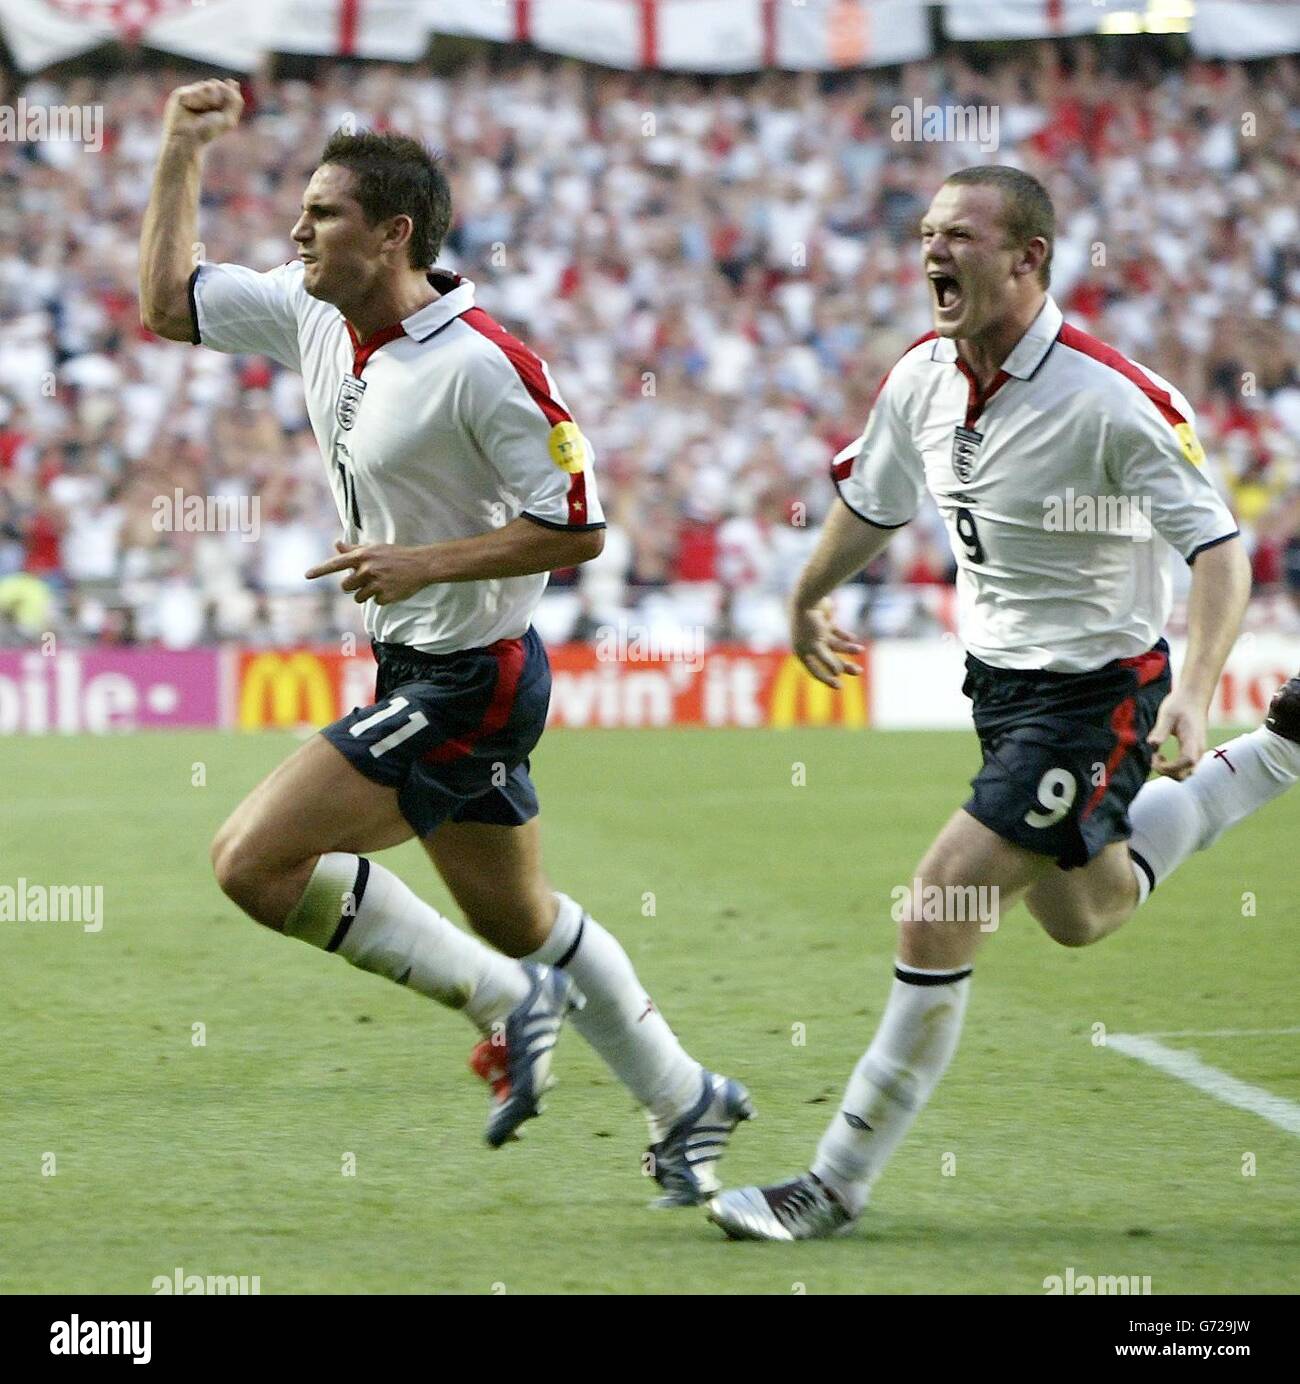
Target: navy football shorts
point(1064, 753)
point(453, 732)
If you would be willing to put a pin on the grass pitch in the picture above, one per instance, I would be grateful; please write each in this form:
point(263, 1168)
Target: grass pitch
point(131, 1149)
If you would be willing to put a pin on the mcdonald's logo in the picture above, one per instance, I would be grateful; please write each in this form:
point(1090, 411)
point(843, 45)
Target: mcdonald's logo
point(286, 690)
point(795, 689)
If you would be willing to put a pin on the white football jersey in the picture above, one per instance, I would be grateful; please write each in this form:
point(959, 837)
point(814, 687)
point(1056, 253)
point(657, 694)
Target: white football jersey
point(1062, 489)
point(442, 426)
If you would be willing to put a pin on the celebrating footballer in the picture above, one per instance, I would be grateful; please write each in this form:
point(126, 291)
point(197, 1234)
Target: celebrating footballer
point(997, 412)
point(461, 480)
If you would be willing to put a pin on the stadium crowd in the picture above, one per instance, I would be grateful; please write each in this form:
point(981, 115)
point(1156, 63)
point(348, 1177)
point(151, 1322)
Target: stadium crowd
point(718, 274)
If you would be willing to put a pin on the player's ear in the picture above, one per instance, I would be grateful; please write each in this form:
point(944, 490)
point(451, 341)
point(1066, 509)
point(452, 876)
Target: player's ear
point(1032, 256)
point(398, 232)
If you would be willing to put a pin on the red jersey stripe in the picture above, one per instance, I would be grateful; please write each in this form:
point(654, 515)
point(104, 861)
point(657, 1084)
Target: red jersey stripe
point(1108, 355)
point(577, 498)
point(528, 365)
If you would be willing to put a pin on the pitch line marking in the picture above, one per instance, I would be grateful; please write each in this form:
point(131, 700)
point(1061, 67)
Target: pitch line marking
point(1218, 1033)
point(1186, 1066)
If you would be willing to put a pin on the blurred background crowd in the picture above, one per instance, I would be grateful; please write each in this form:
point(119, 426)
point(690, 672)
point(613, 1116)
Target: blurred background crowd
point(718, 273)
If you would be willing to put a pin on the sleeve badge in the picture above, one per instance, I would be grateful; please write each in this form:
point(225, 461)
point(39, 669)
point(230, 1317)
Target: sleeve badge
point(568, 447)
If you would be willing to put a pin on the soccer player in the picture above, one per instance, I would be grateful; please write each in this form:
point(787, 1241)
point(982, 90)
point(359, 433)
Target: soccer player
point(1008, 415)
point(461, 481)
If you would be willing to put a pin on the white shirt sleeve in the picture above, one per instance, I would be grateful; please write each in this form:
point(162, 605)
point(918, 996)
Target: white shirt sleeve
point(881, 476)
point(1159, 463)
point(535, 447)
point(240, 311)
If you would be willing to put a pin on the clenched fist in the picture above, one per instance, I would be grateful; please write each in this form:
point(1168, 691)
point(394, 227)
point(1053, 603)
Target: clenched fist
point(203, 110)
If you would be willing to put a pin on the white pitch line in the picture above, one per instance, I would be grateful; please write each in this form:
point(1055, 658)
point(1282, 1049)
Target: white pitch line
point(1219, 1033)
point(1186, 1066)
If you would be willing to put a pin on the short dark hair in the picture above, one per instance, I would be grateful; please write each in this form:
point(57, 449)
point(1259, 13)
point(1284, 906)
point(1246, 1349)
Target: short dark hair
point(397, 176)
point(1027, 210)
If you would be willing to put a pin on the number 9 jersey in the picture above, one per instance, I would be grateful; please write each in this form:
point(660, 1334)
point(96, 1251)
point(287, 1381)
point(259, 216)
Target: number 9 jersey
point(1062, 486)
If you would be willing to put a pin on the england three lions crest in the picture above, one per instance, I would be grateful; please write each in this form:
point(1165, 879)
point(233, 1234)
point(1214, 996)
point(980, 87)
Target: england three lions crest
point(965, 452)
point(348, 401)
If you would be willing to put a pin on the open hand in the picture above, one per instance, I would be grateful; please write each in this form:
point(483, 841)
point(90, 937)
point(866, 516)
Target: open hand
point(818, 643)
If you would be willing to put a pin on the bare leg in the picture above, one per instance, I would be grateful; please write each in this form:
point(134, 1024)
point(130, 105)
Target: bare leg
point(495, 875)
point(1079, 907)
point(314, 802)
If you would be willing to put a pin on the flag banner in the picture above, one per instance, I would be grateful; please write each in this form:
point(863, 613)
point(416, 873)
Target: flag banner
point(1236, 30)
point(42, 32)
point(231, 34)
point(612, 32)
point(709, 36)
point(979, 19)
point(672, 35)
point(822, 34)
point(394, 30)
point(222, 32)
point(498, 20)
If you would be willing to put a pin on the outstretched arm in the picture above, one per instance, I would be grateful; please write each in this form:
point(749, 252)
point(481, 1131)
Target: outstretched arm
point(846, 545)
point(195, 115)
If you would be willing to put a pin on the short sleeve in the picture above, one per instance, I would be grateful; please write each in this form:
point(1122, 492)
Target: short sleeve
point(240, 310)
point(1155, 457)
point(880, 475)
point(535, 446)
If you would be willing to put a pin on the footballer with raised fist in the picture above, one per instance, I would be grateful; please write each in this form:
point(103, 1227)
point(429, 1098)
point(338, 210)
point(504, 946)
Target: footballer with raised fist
point(999, 412)
point(461, 481)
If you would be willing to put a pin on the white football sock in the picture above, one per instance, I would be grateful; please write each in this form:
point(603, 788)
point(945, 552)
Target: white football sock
point(893, 1080)
point(364, 912)
point(619, 1020)
point(1171, 820)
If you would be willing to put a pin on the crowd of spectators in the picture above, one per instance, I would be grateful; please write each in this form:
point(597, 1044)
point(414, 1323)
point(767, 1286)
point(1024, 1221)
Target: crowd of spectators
point(718, 273)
